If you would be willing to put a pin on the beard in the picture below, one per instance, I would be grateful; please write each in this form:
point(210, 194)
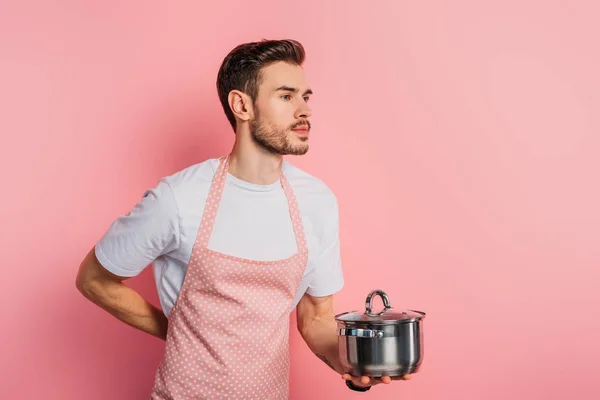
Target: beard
point(276, 140)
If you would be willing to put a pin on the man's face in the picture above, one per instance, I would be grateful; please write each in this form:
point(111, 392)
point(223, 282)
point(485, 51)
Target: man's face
point(280, 124)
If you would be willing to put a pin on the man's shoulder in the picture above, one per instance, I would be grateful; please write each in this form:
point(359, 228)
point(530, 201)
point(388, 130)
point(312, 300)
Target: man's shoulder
point(195, 176)
point(307, 187)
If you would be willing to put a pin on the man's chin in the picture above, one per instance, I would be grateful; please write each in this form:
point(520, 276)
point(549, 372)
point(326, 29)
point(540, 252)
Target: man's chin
point(297, 150)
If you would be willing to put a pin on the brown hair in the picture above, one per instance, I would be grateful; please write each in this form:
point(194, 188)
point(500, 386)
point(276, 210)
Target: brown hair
point(241, 68)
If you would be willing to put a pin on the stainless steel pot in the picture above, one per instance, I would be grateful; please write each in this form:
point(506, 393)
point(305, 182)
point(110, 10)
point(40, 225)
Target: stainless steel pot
point(379, 344)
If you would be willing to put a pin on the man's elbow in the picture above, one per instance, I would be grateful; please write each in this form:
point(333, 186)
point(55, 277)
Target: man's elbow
point(86, 286)
point(88, 281)
point(306, 327)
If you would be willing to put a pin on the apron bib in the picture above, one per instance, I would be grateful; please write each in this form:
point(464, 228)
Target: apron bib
point(228, 333)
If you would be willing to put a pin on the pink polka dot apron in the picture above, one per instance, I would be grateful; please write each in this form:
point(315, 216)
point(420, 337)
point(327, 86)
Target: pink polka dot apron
point(228, 334)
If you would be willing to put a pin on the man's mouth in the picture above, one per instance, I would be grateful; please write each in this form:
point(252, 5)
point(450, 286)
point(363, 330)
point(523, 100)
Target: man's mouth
point(301, 129)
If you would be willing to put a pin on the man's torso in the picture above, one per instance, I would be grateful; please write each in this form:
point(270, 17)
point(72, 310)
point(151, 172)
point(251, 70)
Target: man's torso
point(253, 222)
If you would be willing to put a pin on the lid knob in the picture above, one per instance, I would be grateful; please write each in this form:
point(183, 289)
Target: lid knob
point(369, 303)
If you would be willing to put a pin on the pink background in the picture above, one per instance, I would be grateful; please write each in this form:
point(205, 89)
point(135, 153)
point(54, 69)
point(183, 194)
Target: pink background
point(461, 139)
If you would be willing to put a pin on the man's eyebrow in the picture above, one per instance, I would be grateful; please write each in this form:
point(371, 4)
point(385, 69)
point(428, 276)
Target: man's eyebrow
point(293, 90)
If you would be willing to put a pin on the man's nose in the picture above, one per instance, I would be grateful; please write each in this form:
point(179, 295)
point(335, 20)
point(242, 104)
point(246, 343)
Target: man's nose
point(304, 112)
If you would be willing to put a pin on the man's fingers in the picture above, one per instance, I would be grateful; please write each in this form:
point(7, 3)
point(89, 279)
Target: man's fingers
point(402, 377)
point(365, 380)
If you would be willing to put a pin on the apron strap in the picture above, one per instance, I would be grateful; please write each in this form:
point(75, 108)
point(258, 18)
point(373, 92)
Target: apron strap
point(212, 204)
point(295, 215)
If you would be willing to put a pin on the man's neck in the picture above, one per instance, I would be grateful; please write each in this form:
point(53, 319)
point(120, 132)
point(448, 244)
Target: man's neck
point(252, 164)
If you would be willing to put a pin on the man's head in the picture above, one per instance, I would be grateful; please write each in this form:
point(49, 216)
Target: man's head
point(262, 84)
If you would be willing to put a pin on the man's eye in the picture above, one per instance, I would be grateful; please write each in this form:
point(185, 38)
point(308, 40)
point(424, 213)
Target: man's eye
point(286, 97)
point(306, 98)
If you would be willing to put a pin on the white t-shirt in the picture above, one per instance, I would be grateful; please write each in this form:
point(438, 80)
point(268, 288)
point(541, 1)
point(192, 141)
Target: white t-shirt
point(253, 222)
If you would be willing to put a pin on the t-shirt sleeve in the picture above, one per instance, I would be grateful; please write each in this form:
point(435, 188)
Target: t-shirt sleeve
point(134, 240)
point(328, 277)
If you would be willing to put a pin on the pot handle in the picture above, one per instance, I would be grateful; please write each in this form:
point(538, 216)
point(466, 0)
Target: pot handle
point(360, 333)
point(369, 303)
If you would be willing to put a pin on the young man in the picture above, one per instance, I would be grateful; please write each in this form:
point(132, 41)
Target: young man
point(236, 243)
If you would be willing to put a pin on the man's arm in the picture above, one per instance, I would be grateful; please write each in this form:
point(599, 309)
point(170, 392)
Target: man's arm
point(108, 291)
point(317, 326)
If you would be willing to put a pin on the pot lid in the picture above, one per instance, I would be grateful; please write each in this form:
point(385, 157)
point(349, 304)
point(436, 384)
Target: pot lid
point(387, 316)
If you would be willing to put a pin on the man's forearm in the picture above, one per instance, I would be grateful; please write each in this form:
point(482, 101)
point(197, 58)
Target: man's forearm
point(320, 335)
point(128, 306)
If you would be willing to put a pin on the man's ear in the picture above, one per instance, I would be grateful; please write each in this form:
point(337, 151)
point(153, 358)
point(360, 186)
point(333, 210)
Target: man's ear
point(241, 105)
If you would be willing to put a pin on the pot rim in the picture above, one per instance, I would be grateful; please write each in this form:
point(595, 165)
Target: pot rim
point(380, 322)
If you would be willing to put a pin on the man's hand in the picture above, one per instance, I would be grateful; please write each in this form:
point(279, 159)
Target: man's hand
point(365, 381)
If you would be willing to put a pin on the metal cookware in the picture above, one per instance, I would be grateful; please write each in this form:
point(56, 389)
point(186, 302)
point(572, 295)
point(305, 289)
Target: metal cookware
point(388, 342)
